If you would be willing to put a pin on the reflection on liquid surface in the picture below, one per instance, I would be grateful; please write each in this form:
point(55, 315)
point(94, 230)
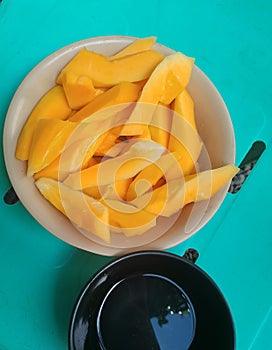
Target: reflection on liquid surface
point(146, 312)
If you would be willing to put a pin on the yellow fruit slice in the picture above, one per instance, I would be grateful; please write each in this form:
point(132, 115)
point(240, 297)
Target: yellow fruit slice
point(84, 211)
point(76, 156)
point(171, 197)
point(184, 105)
point(185, 140)
point(116, 191)
point(84, 141)
point(52, 171)
point(127, 219)
point(105, 72)
point(53, 105)
point(95, 191)
point(49, 139)
point(122, 93)
point(160, 125)
point(79, 89)
point(168, 79)
point(110, 140)
point(121, 188)
point(204, 185)
point(139, 155)
point(149, 176)
point(138, 45)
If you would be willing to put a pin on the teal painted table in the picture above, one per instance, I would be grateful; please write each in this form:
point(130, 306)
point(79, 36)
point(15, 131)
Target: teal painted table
point(231, 40)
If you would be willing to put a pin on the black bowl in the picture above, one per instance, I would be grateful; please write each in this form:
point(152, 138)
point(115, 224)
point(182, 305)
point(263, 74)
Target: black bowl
point(151, 300)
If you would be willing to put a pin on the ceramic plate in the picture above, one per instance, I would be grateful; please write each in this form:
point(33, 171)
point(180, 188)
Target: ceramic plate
point(214, 125)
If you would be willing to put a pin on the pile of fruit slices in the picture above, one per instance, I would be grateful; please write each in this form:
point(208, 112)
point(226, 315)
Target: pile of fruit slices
point(114, 144)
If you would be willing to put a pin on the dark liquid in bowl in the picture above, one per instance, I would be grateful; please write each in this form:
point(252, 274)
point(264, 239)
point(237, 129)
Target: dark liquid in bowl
point(146, 312)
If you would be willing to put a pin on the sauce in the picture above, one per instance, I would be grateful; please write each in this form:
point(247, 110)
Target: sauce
point(146, 312)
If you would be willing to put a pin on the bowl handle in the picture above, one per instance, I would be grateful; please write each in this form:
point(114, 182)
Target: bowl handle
point(191, 255)
point(11, 197)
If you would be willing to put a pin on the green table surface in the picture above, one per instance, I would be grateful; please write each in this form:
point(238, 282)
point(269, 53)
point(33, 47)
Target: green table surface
point(40, 276)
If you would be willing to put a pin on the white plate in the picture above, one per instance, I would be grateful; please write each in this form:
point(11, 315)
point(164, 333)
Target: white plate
point(213, 121)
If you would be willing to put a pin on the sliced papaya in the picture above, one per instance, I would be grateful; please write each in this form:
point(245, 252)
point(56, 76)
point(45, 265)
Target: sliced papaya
point(121, 188)
point(167, 80)
point(149, 176)
point(184, 105)
point(128, 219)
point(49, 139)
point(53, 105)
point(121, 93)
point(95, 191)
point(156, 201)
point(85, 212)
point(160, 126)
point(136, 46)
point(110, 140)
point(171, 197)
point(52, 171)
point(104, 174)
point(72, 113)
point(185, 140)
point(116, 191)
point(204, 185)
point(105, 72)
point(139, 155)
point(79, 89)
point(84, 141)
point(78, 155)
point(99, 91)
